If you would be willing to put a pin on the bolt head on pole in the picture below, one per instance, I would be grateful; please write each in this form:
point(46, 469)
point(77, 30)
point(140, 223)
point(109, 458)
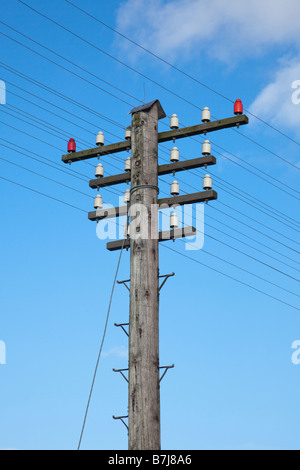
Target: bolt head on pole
point(207, 183)
point(206, 148)
point(98, 202)
point(206, 116)
point(99, 173)
point(174, 123)
point(100, 139)
point(238, 108)
point(71, 146)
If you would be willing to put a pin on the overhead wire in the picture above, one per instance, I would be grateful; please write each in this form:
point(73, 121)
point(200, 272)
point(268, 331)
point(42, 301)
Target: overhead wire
point(136, 71)
point(42, 194)
point(45, 177)
point(247, 244)
point(249, 226)
point(231, 277)
point(218, 240)
point(244, 253)
point(224, 149)
point(183, 73)
point(101, 347)
point(220, 272)
point(50, 163)
point(243, 269)
point(224, 156)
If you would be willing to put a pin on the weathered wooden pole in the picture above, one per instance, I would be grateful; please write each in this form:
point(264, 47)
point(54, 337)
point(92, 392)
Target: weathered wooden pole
point(144, 389)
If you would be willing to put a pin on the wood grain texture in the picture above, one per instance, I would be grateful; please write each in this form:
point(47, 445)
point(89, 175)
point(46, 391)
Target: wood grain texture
point(144, 388)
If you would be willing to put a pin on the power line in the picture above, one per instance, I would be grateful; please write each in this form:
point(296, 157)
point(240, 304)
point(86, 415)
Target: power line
point(50, 164)
point(32, 136)
point(256, 230)
point(117, 124)
point(234, 195)
point(262, 233)
point(61, 95)
point(249, 256)
point(247, 244)
point(82, 210)
point(260, 261)
point(251, 165)
point(259, 202)
point(20, 152)
point(230, 277)
point(117, 88)
point(106, 53)
point(244, 270)
point(62, 67)
point(69, 61)
point(259, 170)
point(43, 194)
point(136, 71)
point(45, 177)
point(92, 197)
point(237, 211)
point(254, 220)
point(101, 347)
point(185, 74)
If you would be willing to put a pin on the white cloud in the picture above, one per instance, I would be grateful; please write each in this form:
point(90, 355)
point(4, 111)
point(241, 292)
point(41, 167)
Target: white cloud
point(277, 102)
point(220, 28)
point(227, 31)
point(118, 351)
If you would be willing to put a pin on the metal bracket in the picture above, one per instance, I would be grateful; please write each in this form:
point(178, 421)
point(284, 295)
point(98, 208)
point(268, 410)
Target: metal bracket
point(165, 276)
point(121, 372)
point(125, 283)
point(161, 367)
point(121, 418)
point(121, 325)
point(166, 370)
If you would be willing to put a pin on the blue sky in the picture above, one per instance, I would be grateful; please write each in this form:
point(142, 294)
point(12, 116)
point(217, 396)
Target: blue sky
point(230, 315)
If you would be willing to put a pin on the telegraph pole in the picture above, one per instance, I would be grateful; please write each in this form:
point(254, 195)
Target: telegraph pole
point(144, 366)
point(144, 394)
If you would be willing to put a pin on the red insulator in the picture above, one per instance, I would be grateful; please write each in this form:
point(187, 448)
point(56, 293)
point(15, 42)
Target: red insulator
point(72, 146)
point(238, 107)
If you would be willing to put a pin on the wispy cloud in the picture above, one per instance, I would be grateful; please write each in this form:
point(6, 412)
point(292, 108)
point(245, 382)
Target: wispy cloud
point(118, 351)
point(275, 102)
point(227, 31)
point(218, 28)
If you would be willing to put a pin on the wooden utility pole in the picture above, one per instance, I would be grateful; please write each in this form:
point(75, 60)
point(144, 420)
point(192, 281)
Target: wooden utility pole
point(144, 394)
point(143, 370)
